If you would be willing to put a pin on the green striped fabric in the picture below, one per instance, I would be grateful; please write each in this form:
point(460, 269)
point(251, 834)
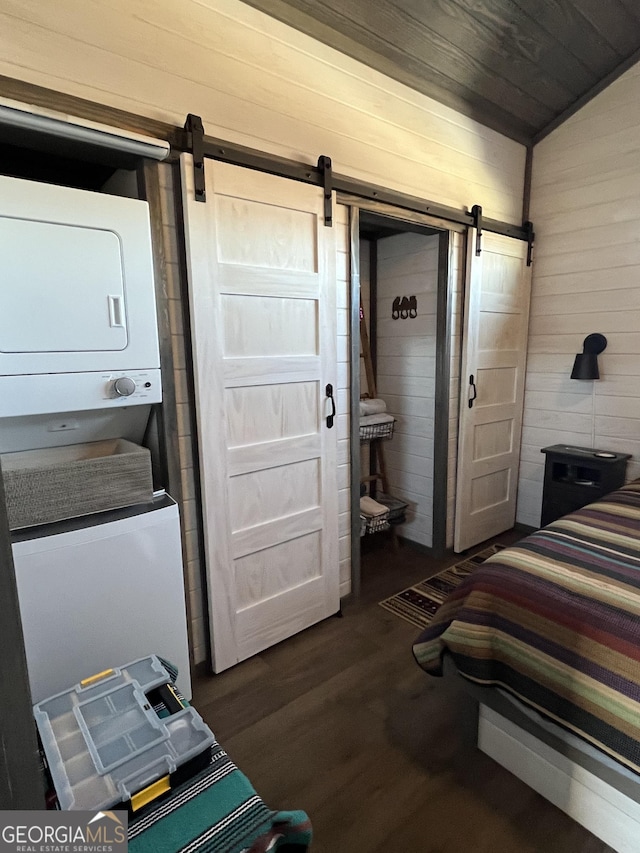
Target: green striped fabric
point(218, 811)
point(555, 620)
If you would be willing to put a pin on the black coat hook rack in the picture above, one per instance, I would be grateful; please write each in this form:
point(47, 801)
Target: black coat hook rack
point(404, 307)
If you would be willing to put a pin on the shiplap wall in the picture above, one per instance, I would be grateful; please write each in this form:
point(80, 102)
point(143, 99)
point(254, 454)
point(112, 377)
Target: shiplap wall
point(343, 285)
point(189, 513)
point(457, 262)
point(259, 83)
point(586, 278)
point(365, 301)
point(408, 266)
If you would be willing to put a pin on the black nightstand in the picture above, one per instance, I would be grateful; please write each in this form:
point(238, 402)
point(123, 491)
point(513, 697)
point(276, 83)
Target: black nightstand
point(576, 476)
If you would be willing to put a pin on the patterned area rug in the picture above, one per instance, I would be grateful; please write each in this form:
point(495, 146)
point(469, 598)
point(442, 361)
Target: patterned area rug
point(418, 603)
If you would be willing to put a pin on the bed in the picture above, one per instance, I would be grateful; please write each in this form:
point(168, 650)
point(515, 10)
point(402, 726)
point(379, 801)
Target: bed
point(547, 634)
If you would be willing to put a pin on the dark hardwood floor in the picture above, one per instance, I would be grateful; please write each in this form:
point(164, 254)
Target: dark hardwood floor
point(341, 722)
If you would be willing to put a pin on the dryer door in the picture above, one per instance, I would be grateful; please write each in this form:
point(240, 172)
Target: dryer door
point(77, 289)
point(63, 288)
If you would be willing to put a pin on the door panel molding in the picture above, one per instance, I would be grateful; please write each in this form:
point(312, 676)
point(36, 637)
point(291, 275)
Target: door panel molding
point(497, 293)
point(264, 348)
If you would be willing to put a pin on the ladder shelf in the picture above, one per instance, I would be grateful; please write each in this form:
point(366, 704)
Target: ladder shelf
point(374, 435)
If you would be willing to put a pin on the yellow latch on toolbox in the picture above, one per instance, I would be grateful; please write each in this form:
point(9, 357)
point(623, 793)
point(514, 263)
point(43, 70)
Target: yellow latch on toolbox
point(150, 793)
point(96, 677)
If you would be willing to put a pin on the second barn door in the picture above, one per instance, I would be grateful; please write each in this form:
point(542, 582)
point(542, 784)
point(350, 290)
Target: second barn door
point(492, 380)
point(262, 298)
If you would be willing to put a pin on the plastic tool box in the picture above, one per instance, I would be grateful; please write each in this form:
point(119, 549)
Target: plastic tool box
point(105, 743)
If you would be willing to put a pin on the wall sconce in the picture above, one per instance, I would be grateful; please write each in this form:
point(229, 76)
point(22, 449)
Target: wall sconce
point(585, 365)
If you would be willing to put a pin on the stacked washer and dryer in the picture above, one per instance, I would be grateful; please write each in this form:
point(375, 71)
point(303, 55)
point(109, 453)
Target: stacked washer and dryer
point(79, 363)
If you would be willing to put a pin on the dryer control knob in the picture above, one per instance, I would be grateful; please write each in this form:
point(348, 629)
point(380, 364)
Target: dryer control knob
point(124, 386)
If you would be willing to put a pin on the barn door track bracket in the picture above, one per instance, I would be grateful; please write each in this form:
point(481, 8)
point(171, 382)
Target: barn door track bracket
point(193, 140)
point(476, 212)
point(195, 129)
point(326, 175)
point(528, 227)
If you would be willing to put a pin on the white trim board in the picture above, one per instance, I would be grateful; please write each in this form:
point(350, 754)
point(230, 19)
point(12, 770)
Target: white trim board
point(596, 805)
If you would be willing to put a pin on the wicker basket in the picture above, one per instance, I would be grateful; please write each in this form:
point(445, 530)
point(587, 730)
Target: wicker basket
point(374, 525)
point(397, 507)
point(65, 482)
point(383, 431)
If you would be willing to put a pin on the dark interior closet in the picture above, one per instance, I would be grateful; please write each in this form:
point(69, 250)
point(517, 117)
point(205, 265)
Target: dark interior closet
point(404, 314)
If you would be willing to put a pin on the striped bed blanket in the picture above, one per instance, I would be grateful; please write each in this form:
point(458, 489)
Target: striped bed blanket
point(555, 620)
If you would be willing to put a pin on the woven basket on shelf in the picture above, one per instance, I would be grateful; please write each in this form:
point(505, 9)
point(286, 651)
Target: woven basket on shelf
point(383, 431)
point(56, 483)
point(397, 507)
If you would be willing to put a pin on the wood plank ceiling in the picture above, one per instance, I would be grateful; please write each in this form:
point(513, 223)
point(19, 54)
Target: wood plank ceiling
point(517, 66)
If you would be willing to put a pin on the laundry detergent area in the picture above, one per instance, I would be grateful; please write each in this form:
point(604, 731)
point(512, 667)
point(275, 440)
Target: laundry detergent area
point(96, 536)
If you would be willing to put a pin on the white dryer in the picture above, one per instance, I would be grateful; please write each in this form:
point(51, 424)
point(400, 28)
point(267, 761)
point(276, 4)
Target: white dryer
point(78, 326)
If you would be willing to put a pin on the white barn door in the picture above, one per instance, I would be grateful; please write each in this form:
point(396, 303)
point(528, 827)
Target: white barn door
point(492, 377)
point(262, 300)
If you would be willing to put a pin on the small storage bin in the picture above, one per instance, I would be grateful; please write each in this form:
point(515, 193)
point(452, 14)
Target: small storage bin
point(376, 524)
point(397, 507)
point(369, 432)
point(65, 482)
point(106, 746)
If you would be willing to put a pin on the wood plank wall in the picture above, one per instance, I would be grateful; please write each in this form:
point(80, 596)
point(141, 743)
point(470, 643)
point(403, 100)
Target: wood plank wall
point(586, 278)
point(365, 302)
point(408, 266)
point(365, 297)
point(343, 287)
point(457, 263)
point(189, 510)
point(366, 247)
point(259, 83)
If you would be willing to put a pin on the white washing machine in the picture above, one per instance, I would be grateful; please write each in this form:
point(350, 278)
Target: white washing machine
point(101, 591)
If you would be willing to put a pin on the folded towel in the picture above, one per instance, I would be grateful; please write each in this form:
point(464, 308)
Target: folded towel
point(372, 508)
point(370, 420)
point(372, 407)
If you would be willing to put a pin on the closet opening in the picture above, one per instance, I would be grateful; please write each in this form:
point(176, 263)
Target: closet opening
point(401, 327)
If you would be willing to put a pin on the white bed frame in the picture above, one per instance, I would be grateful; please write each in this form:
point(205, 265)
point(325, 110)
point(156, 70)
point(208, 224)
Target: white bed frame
point(596, 805)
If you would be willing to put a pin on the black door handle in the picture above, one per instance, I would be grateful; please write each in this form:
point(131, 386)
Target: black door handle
point(472, 385)
point(329, 392)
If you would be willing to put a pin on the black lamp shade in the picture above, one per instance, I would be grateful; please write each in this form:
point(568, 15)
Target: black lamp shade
point(585, 366)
